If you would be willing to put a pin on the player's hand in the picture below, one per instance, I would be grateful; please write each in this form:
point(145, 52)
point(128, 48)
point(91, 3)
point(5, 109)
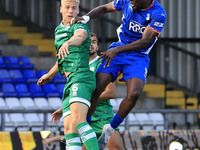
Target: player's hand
point(83, 19)
point(55, 116)
point(43, 80)
point(108, 57)
point(63, 51)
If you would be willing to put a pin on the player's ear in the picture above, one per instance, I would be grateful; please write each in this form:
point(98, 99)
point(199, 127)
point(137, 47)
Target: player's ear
point(97, 47)
point(60, 9)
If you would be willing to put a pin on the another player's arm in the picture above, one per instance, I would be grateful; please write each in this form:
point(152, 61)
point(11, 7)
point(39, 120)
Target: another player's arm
point(77, 39)
point(109, 93)
point(49, 76)
point(100, 10)
point(146, 39)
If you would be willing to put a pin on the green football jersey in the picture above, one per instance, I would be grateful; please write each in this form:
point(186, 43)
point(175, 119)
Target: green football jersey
point(78, 55)
point(104, 108)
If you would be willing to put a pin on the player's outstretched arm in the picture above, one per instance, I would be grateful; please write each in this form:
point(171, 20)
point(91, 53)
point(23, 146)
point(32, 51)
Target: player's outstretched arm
point(146, 39)
point(94, 13)
point(56, 115)
point(100, 10)
point(49, 76)
point(77, 39)
point(109, 93)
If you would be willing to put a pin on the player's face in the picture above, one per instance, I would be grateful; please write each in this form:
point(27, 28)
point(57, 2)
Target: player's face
point(137, 4)
point(94, 45)
point(69, 10)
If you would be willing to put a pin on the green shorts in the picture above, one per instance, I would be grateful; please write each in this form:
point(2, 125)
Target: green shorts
point(97, 126)
point(79, 88)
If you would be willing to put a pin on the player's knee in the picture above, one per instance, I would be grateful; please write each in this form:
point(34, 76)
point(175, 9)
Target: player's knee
point(133, 96)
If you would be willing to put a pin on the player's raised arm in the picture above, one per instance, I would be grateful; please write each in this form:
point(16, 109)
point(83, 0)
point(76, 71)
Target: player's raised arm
point(100, 10)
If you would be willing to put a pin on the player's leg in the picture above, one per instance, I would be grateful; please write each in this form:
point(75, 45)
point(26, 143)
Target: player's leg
point(102, 80)
point(115, 141)
point(134, 89)
point(72, 137)
point(78, 121)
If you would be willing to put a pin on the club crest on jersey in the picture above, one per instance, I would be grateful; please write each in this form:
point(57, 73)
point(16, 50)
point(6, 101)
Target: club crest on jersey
point(148, 17)
point(136, 27)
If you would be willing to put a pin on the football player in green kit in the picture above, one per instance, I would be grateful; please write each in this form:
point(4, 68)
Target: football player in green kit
point(103, 113)
point(75, 41)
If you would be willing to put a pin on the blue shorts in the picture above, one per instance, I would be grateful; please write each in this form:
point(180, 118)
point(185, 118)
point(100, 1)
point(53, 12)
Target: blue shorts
point(131, 64)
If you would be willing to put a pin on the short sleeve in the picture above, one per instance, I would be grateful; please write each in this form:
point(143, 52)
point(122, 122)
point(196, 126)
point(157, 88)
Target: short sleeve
point(158, 21)
point(80, 26)
point(119, 4)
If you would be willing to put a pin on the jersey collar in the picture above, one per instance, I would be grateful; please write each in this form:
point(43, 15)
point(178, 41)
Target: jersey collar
point(93, 60)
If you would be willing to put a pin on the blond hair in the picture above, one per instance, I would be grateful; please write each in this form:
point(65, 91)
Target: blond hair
point(77, 1)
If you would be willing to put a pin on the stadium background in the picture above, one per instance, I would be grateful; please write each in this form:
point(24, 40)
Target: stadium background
point(172, 88)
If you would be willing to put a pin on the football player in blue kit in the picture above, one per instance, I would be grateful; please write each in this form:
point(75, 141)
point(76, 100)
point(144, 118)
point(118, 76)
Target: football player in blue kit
point(142, 22)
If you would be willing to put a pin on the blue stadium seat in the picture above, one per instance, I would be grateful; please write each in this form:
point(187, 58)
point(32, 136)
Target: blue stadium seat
point(2, 63)
point(8, 90)
point(5, 76)
point(60, 88)
point(40, 73)
point(36, 91)
point(11, 62)
point(22, 90)
point(17, 76)
point(30, 76)
point(25, 62)
point(50, 90)
point(59, 79)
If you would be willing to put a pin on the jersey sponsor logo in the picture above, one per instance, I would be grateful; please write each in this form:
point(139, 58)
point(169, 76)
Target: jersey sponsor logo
point(136, 27)
point(61, 35)
point(159, 24)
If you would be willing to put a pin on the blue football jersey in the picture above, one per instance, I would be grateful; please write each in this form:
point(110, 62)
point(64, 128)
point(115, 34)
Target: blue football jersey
point(134, 23)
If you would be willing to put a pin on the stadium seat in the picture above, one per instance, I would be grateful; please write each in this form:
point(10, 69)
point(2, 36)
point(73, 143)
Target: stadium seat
point(36, 91)
point(55, 102)
point(25, 62)
point(60, 88)
point(9, 126)
point(1, 93)
point(40, 73)
point(50, 90)
point(11, 62)
point(3, 104)
point(19, 122)
point(59, 79)
point(13, 103)
point(41, 103)
point(35, 124)
point(158, 120)
point(144, 120)
point(134, 124)
point(30, 76)
point(27, 103)
point(114, 104)
point(17, 76)
point(2, 63)
point(22, 90)
point(5, 76)
point(8, 90)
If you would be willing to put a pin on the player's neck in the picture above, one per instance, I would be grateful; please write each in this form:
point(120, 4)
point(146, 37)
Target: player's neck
point(92, 57)
point(148, 3)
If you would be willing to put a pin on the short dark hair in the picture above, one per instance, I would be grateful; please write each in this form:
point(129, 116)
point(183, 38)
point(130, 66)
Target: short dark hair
point(93, 34)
